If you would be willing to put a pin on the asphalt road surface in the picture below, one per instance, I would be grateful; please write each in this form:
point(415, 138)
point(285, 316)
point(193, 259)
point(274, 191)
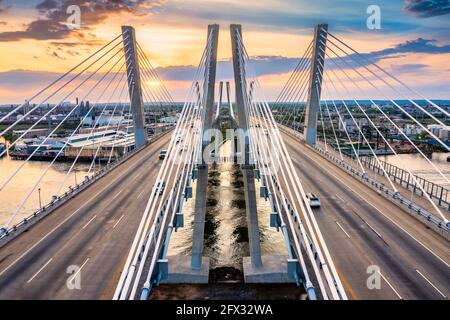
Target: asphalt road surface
point(362, 229)
point(79, 250)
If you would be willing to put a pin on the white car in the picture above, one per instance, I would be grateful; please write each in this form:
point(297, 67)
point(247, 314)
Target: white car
point(160, 188)
point(183, 147)
point(314, 201)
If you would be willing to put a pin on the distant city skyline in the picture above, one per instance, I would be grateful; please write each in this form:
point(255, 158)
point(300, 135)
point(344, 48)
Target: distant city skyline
point(35, 46)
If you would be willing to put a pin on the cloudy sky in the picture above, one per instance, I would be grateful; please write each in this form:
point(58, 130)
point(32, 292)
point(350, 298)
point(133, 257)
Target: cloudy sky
point(36, 46)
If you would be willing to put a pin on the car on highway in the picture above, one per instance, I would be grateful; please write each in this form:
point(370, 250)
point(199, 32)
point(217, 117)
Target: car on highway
point(183, 147)
point(314, 201)
point(160, 188)
point(162, 154)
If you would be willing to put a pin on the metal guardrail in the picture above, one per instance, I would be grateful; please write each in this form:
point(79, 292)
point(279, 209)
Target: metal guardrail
point(410, 207)
point(57, 201)
point(437, 192)
point(440, 194)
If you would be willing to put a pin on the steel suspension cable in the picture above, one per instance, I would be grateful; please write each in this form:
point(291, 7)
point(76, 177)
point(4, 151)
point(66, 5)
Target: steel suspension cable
point(390, 75)
point(57, 79)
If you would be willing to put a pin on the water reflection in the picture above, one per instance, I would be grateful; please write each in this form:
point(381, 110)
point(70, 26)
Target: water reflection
point(23, 182)
point(226, 234)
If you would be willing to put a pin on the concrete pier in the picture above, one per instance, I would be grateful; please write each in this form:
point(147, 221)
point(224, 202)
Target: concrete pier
point(274, 269)
point(181, 271)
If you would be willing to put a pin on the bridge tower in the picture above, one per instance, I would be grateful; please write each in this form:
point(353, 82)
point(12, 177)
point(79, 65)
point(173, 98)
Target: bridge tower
point(134, 85)
point(257, 268)
point(315, 83)
point(247, 168)
point(202, 177)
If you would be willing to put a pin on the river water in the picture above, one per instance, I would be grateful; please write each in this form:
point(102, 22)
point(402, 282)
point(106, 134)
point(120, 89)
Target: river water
point(19, 185)
point(226, 233)
point(421, 167)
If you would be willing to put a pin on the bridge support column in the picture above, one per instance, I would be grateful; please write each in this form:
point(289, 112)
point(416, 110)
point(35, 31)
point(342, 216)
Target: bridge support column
point(134, 85)
point(257, 268)
point(202, 181)
point(315, 84)
point(247, 167)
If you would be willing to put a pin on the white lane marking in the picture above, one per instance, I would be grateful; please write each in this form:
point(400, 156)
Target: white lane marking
point(79, 270)
point(67, 218)
point(393, 222)
point(390, 285)
point(115, 225)
point(373, 229)
point(117, 194)
point(409, 234)
point(431, 284)
point(342, 229)
point(140, 194)
point(42, 268)
point(89, 222)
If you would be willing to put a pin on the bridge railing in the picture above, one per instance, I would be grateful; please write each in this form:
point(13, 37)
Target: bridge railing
point(413, 209)
point(440, 194)
point(402, 177)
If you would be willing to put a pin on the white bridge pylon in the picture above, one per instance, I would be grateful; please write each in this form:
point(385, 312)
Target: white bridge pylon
point(262, 155)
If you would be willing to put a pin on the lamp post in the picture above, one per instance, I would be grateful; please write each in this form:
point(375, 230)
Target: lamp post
point(40, 201)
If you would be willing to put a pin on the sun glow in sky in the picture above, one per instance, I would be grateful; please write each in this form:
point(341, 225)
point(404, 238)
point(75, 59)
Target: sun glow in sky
point(153, 83)
point(413, 41)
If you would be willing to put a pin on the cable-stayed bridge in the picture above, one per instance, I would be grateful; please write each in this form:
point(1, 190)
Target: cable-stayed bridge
point(116, 224)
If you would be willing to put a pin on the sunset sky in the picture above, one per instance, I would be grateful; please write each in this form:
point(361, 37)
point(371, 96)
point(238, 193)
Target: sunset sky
point(35, 46)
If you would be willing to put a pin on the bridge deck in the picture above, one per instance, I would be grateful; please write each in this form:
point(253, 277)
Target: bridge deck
point(93, 231)
point(96, 228)
point(362, 228)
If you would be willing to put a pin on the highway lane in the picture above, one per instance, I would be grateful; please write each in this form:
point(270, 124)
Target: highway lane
point(86, 239)
point(362, 228)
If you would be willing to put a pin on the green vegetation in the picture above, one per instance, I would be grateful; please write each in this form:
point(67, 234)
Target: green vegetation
point(22, 126)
